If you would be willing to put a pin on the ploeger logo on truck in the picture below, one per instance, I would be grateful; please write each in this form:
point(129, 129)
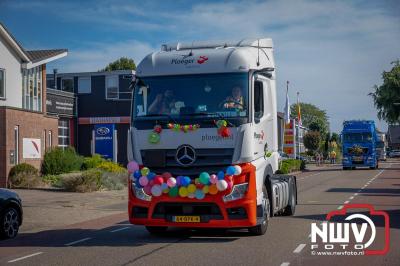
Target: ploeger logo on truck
point(185, 61)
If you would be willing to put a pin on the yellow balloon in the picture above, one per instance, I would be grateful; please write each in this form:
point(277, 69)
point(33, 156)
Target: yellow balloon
point(205, 189)
point(183, 192)
point(191, 188)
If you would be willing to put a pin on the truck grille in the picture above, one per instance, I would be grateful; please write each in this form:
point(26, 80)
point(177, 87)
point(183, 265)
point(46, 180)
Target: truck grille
point(210, 160)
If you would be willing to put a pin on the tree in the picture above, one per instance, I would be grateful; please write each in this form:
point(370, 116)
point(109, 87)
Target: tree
point(312, 140)
point(335, 137)
point(123, 63)
point(326, 143)
point(387, 96)
point(312, 117)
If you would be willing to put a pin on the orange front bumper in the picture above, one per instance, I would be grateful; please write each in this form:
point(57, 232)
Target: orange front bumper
point(248, 203)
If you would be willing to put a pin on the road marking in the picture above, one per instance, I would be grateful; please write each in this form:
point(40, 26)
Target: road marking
point(25, 257)
point(340, 207)
point(352, 197)
point(346, 202)
point(285, 264)
point(119, 229)
point(77, 241)
point(299, 248)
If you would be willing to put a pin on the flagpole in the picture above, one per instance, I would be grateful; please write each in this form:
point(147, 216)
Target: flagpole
point(298, 124)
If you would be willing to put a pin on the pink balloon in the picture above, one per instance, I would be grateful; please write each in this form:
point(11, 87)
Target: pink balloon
point(143, 181)
point(147, 190)
point(171, 182)
point(132, 166)
point(213, 179)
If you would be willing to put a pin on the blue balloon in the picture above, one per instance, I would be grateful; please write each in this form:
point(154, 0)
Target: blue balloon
point(137, 183)
point(137, 174)
point(179, 180)
point(221, 175)
point(199, 194)
point(185, 181)
point(151, 176)
point(230, 170)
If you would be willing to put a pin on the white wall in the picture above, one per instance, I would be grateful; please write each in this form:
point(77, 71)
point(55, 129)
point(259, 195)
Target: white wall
point(10, 61)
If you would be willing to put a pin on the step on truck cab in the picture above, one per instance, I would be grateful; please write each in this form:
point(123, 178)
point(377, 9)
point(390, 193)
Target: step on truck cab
point(359, 144)
point(203, 144)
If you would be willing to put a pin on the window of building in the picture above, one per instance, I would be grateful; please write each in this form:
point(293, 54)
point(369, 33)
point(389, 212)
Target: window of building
point(258, 100)
point(112, 90)
point(16, 145)
point(84, 85)
point(2, 83)
point(32, 89)
point(63, 133)
point(67, 84)
point(50, 139)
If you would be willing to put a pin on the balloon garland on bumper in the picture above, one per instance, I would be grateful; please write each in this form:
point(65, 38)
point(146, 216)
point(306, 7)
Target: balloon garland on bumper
point(182, 186)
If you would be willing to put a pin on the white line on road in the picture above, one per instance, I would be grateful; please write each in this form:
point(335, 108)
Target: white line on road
point(25, 257)
point(340, 207)
point(352, 197)
point(285, 264)
point(77, 241)
point(119, 229)
point(299, 248)
point(346, 202)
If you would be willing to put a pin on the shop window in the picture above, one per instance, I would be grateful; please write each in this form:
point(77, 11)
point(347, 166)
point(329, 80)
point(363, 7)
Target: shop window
point(112, 89)
point(2, 83)
point(84, 85)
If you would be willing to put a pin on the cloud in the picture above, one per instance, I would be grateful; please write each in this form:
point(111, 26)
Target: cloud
point(98, 55)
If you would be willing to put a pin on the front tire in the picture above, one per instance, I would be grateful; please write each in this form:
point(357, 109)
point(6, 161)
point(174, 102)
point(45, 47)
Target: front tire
point(9, 223)
point(291, 208)
point(261, 228)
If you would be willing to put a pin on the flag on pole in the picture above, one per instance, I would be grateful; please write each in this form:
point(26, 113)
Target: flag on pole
point(287, 105)
point(298, 110)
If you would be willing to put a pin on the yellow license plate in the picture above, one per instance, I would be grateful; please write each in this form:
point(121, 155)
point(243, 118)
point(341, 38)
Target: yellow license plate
point(186, 219)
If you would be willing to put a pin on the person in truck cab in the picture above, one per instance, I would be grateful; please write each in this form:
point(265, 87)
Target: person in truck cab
point(163, 103)
point(235, 100)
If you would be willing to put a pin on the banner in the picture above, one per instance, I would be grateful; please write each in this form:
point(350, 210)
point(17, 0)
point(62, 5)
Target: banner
point(104, 140)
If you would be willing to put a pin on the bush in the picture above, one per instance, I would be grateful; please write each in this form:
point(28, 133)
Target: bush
point(53, 180)
point(24, 175)
point(92, 162)
point(59, 161)
point(86, 181)
point(113, 181)
point(289, 165)
point(111, 167)
point(312, 140)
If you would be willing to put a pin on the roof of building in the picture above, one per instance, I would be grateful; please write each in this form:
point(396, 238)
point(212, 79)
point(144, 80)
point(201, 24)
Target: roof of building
point(394, 134)
point(34, 57)
point(98, 73)
point(39, 55)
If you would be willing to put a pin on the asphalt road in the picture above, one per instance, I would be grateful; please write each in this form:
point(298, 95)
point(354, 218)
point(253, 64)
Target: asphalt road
point(112, 241)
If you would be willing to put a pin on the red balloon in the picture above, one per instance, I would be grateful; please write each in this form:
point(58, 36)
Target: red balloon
point(158, 180)
point(158, 129)
point(225, 132)
point(167, 175)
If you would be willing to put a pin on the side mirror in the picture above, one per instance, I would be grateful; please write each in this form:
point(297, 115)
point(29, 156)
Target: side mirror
point(132, 84)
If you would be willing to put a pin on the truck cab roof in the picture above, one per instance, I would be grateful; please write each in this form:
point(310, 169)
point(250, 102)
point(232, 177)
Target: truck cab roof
point(208, 57)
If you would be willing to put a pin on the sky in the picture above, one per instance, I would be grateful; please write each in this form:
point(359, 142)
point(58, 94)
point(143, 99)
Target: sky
point(332, 52)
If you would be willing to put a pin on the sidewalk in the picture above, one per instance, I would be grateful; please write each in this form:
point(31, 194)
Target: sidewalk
point(46, 209)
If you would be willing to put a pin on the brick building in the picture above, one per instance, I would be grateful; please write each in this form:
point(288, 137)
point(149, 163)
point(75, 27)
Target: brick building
point(26, 130)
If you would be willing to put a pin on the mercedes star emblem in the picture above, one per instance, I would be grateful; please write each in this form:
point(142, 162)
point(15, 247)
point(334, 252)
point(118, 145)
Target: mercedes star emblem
point(185, 155)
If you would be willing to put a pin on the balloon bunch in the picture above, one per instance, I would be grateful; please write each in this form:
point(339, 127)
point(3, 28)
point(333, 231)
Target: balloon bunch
point(184, 186)
point(222, 128)
point(183, 128)
point(154, 136)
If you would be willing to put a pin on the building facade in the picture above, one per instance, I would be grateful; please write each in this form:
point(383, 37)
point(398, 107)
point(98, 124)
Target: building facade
point(26, 130)
point(103, 102)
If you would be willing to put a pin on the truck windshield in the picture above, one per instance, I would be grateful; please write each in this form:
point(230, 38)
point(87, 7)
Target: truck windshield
point(357, 137)
point(192, 95)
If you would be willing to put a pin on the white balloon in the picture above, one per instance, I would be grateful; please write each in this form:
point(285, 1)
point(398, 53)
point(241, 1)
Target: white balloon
point(156, 190)
point(238, 170)
point(222, 185)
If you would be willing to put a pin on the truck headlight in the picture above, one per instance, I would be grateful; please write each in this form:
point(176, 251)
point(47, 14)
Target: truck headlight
point(238, 192)
point(139, 193)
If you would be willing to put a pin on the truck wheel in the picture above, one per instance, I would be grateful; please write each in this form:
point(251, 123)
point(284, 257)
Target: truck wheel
point(156, 230)
point(291, 208)
point(261, 228)
point(9, 223)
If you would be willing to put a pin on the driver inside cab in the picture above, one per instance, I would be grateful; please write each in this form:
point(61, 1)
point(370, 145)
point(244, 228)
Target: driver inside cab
point(235, 100)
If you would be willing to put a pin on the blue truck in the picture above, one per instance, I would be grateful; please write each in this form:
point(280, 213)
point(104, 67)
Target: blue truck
point(359, 143)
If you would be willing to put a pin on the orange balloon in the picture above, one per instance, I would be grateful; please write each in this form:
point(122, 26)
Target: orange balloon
point(213, 189)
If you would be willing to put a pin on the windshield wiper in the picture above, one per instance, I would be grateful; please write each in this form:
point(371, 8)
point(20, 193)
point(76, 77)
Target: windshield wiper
point(213, 114)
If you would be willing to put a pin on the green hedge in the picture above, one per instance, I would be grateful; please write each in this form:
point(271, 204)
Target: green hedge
point(58, 161)
point(290, 165)
point(23, 175)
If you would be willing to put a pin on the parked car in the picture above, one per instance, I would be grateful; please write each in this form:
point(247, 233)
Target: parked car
point(10, 213)
point(394, 153)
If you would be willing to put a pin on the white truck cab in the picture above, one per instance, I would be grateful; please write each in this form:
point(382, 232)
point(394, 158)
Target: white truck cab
point(199, 111)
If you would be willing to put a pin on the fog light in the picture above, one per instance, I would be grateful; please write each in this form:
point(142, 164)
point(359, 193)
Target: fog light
point(238, 192)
